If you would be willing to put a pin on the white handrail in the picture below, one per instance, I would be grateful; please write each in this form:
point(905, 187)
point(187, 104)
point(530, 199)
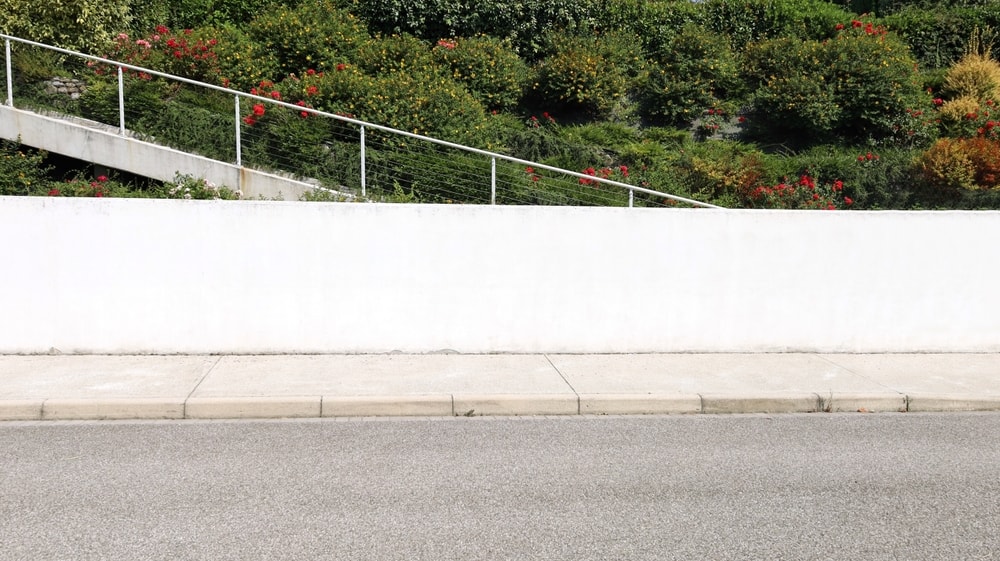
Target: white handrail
point(363, 124)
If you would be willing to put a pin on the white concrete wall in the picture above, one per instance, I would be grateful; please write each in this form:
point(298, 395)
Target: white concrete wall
point(109, 276)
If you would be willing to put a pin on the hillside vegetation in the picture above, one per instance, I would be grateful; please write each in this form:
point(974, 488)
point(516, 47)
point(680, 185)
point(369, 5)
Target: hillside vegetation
point(851, 104)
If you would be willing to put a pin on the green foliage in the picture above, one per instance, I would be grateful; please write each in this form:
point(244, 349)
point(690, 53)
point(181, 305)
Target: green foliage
point(487, 66)
point(872, 178)
point(694, 71)
point(586, 74)
point(936, 34)
point(316, 34)
point(243, 62)
point(86, 25)
point(750, 21)
point(420, 102)
point(22, 170)
point(853, 87)
point(395, 53)
point(190, 14)
point(524, 23)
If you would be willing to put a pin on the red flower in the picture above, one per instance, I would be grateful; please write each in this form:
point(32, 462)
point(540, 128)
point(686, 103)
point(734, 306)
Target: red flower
point(249, 120)
point(276, 94)
point(310, 72)
point(624, 170)
point(838, 185)
point(856, 23)
point(102, 178)
point(258, 109)
point(529, 169)
point(848, 201)
point(839, 26)
point(534, 178)
point(341, 66)
point(54, 192)
point(938, 101)
point(312, 90)
point(162, 29)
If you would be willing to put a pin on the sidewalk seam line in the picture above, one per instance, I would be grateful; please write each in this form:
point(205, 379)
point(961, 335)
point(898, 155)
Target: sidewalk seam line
point(202, 379)
point(575, 393)
point(862, 376)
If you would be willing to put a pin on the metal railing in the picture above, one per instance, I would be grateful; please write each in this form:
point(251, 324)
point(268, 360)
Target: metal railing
point(560, 186)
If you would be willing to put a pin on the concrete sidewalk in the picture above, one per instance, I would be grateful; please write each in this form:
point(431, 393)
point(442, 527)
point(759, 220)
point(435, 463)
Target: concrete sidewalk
point(75, 387)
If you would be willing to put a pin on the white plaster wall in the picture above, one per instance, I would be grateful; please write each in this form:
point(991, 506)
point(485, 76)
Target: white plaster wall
point(110, 276)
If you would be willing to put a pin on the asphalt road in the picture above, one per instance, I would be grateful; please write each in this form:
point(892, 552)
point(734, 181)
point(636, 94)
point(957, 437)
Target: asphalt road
point(746, 487)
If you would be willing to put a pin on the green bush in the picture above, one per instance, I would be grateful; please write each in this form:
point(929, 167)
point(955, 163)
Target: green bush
point(872, 178)
point(190, 14)
point(243, 62)
point(22, 170)
point(587, 74)
point(654, 22)
point(936, 34)
point(488, 68)
point(852, 87)
point(86, 25)
point(316, 34)
point(395, 53)
point(421, 102)
point(696, 70)
point(751, 21)
point(523, 23)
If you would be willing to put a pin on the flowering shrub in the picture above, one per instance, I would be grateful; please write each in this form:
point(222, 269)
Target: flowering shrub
point(488, 67)
point(803, 193)
point(314, 34)
point(188, 187)
point(186, 53)
point(618, 173)
point(243, 62)
point(402, 53)
point(584, 74)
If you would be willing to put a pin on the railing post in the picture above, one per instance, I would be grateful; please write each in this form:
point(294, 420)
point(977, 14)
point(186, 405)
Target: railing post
point(364, 179)
point(493, 180)
point(631, 197)
point(239, 151)
point(10, 81)
point(121, 102)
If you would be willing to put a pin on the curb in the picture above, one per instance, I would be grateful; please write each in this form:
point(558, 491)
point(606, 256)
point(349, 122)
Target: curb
point(472, 405)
